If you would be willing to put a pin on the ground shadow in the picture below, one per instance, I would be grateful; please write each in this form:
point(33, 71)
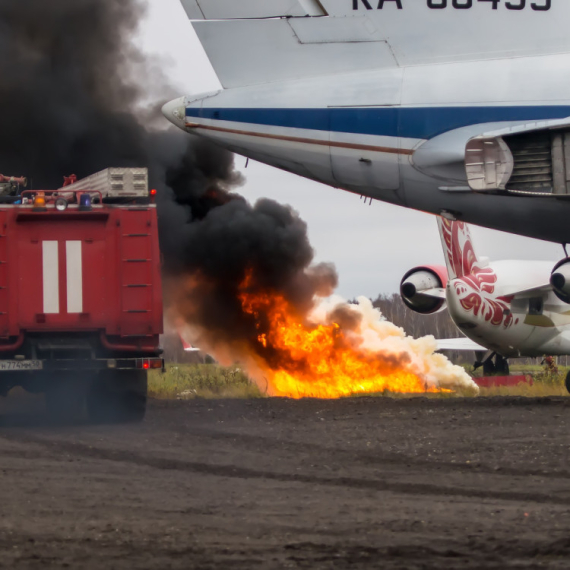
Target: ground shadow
point(23, 410)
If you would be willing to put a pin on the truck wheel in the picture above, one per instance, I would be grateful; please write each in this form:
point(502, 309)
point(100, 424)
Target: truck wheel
point(134, 395)
point(118, 396)
point(567, 382)
point(64, 399)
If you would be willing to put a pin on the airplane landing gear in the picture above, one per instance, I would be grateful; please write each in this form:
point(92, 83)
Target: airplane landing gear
point(489, 367)
point(496, 365)
point(502, 366)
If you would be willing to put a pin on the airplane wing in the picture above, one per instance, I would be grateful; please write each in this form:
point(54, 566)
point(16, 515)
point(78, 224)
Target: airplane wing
point(524, 293)
point(461, 344)
point(436, 293)
point(259, 41)
point(247, 9)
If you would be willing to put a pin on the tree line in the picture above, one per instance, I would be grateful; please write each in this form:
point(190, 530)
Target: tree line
point(394, 310)
point(416, 325)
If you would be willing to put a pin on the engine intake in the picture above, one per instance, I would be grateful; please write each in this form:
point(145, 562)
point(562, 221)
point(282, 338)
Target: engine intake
point(419, 280)
point(560, 280)
point(521, 160)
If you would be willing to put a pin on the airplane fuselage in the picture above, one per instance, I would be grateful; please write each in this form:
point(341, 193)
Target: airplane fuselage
point(485, 309)
point(397, 135)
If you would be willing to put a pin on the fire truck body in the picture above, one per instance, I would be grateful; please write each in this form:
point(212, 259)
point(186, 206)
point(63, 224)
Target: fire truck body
point(80, 299)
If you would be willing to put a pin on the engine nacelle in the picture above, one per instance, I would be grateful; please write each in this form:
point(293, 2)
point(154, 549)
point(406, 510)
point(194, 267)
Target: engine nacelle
point(421, 279)
point(560, 280)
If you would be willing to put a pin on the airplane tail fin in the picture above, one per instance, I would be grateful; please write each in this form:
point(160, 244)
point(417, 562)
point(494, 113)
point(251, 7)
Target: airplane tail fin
point(186, 345)
point(262, 41)
point(458, 250)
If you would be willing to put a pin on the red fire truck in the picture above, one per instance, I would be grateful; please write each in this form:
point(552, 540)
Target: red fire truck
point(80, 294)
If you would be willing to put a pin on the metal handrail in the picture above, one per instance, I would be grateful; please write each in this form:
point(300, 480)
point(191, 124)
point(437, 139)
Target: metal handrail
point(62, 192)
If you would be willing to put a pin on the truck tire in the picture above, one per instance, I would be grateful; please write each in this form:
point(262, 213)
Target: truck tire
point(133, 398)
point(118, 396)
point(64, 398)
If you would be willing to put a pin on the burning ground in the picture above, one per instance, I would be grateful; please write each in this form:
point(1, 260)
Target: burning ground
point(332, 350)
point(239, 276)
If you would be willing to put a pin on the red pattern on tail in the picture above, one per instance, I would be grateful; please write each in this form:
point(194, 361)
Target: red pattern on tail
point(474, 285)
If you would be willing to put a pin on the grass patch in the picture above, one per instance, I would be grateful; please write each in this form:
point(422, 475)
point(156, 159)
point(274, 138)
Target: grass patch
point(188, 381)
point(545, 383)
point(538, 390)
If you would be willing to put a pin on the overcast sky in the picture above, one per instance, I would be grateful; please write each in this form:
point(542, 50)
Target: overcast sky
point(371, 246)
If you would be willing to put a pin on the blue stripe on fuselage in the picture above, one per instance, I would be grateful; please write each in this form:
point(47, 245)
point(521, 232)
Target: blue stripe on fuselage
point(408, 122)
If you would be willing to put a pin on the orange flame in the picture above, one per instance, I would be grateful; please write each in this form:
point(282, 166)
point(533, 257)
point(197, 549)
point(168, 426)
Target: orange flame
point(300, 359)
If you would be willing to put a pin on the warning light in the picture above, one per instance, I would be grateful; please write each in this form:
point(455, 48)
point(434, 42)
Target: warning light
point(61, 204)
point(85, 202)
point(153, 192)
point(146, 364)
point(40, 203)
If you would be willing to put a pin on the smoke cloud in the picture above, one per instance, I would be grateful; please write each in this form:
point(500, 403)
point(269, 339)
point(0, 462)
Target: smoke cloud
point(69, 103)
point(66, 104)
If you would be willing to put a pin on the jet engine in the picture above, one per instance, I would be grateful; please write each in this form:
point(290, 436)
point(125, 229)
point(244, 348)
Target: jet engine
point(560, 280)
point(421, 289)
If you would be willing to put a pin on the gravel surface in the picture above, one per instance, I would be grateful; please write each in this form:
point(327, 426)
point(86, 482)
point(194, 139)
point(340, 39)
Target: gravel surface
point(274, 483)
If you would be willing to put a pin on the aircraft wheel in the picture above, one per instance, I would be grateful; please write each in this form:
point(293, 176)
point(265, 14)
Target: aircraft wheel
point(502, 366)
point(488, 367)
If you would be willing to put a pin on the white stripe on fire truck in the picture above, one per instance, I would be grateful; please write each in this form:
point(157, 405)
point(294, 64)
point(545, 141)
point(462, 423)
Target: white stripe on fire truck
point(74, 277)
point(51, 277)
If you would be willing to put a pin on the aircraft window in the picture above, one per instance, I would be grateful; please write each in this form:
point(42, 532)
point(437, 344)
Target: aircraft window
point(535, 306)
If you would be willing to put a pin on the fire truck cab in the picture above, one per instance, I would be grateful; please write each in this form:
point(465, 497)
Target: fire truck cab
point(80, 294)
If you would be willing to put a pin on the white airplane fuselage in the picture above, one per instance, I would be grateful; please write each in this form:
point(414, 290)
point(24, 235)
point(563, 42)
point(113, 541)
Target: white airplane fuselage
point(532, 324)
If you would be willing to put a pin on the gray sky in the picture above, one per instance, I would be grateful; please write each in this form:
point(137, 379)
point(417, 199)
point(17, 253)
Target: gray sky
point(371, 246)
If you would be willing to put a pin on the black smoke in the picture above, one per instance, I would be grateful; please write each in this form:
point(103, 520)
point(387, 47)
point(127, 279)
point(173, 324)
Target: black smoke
point(66, 104)
point(71, 102)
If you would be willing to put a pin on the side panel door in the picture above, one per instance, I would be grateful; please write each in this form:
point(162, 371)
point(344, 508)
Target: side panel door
point(136, 273)
point(6, 294)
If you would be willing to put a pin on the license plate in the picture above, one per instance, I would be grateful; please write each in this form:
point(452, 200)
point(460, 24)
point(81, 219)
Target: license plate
point(20, 365)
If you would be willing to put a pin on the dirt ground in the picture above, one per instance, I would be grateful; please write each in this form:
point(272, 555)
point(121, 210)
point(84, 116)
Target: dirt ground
point(271, 484)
